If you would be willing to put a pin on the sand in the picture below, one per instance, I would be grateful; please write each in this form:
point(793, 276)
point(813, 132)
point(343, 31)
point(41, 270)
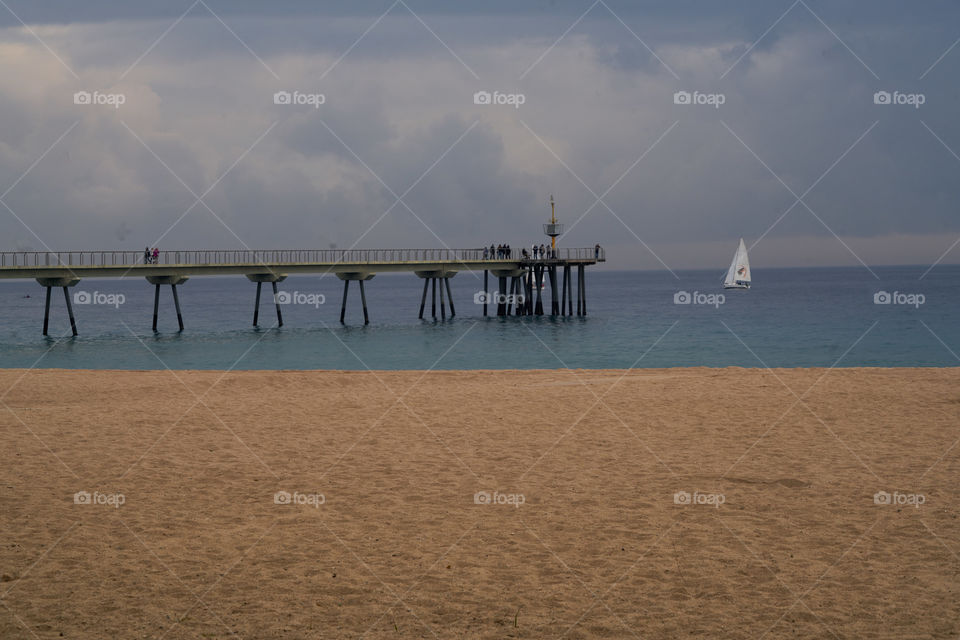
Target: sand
point(589, 533)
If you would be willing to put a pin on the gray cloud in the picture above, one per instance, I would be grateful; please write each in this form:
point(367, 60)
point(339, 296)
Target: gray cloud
point(399, 100)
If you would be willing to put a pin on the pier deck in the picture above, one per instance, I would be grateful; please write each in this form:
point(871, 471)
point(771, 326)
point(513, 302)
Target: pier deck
point(526, 276)
point(119, 264)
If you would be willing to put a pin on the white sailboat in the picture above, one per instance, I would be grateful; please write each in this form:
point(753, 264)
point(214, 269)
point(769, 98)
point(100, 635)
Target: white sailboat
point(738, 275)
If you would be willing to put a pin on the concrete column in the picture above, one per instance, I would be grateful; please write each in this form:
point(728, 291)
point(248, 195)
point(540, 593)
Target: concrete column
point(176, 303)
point(453, 311)
point(73, 323)
point(423, 299)
point(553, 290)
point(363, 300)
point(583, 286)
point(46, 312)
point(502, 301)
point(343, 304)
point(443, 310)
point(563, 292)
point(579, 290)
point(539, 306)
point(486, 290)
point(156, 304)
point(528, 300)
point(276, 302)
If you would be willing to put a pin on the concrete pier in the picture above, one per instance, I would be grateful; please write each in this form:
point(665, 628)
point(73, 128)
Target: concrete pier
point(66, 269)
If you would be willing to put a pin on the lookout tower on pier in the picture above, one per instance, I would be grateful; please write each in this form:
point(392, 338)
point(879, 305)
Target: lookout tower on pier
point(553, 228)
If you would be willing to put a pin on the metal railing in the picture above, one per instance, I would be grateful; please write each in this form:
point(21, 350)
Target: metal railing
point(214, 257)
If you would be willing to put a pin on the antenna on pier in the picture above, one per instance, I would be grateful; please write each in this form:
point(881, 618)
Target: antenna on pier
point(553, 228)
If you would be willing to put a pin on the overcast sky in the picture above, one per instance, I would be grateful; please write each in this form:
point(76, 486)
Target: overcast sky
point(798, 158)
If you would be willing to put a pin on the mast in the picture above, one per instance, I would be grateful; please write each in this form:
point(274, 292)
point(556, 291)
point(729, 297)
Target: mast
point(553, 228)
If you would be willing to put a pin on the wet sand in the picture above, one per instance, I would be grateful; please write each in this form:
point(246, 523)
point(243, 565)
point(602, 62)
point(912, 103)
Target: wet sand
point(732, 503)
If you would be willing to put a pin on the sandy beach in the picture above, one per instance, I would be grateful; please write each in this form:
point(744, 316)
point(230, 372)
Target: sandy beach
point(668, 503)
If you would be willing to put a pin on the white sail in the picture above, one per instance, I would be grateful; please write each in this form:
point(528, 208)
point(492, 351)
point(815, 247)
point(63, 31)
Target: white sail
point(738, 275)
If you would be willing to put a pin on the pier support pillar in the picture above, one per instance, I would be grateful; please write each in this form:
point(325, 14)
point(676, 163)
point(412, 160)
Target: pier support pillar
point(272, 278)
point(519, 299)
point(443, 309)
point(502, 298)
point(423, 299)
point(46, 312)
point(486, 290)
point(554, 308)
point(65, 284)
point(173, 281)
point(73, 322)
point(176, 304)
point(538, 310)
point(276, 302)
point(583, 287)
point(568, 276)
point(563, 291)
point(363, 300)
point(528, 293)
point(580, 305)
point(361, 277)
point(156, 304)
point(453, 311)
point(434, 278)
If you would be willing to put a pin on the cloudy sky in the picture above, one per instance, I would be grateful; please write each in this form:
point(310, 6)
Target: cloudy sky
point(782, 140)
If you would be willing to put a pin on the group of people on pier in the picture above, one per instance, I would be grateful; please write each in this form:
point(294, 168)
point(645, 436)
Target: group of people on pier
point(151, 256)
point(500, 252)
point(504, 252)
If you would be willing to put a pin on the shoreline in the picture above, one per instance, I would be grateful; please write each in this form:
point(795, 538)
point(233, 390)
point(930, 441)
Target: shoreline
point(696, 368)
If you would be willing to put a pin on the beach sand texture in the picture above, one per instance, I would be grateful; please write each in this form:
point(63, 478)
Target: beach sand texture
point(600, 548)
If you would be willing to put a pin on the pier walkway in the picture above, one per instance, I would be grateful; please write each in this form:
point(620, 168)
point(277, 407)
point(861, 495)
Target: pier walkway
point(521, 280)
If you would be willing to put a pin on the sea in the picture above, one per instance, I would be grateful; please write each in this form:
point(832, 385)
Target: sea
point(792, 317)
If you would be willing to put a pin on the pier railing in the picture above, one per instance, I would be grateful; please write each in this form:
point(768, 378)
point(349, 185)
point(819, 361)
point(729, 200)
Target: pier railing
point(275, 257)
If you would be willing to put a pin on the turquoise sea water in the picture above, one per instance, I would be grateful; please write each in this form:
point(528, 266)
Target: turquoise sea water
point(790, 318)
